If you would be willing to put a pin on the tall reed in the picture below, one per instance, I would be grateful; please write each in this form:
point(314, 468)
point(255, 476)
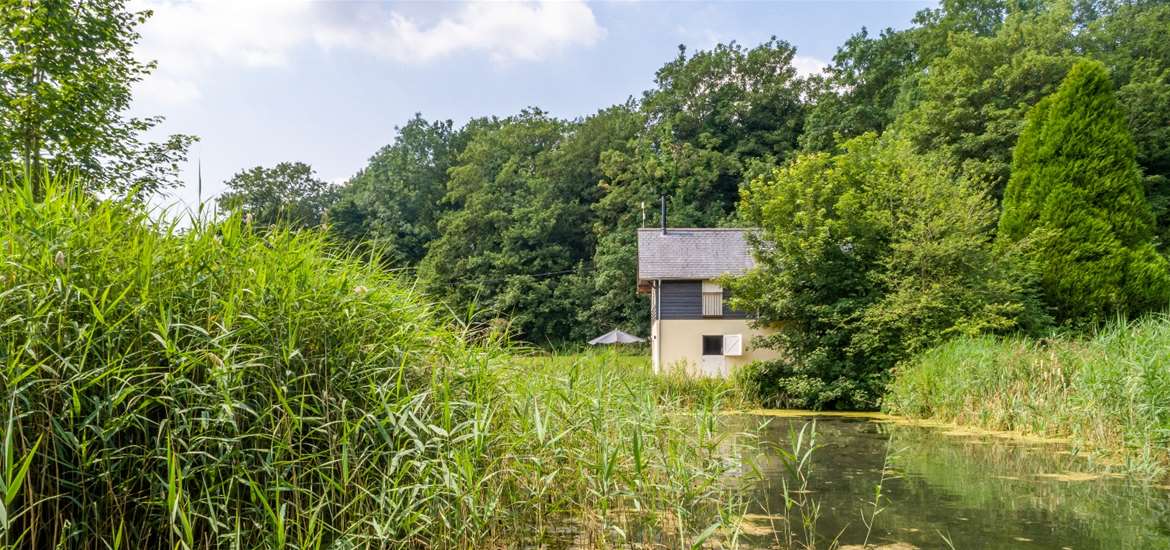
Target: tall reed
point(223, 387)
point(1109, 392)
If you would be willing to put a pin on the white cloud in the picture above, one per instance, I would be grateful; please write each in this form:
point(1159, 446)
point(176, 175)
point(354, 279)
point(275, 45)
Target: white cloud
point(504, 31)
point(808, 66)
point(191, 39)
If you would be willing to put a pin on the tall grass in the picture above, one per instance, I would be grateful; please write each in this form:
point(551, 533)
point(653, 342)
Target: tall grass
point(634, 463)
point(220, 387)
point(1109, 392)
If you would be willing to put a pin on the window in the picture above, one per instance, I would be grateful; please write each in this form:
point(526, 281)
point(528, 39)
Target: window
point(713, 345)
point(712, 300)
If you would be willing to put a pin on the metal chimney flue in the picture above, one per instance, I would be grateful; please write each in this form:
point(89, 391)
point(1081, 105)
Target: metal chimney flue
point(663, 216)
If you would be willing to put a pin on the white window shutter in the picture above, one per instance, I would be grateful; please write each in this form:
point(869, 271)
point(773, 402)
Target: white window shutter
point(712, 299)
point(733, 344)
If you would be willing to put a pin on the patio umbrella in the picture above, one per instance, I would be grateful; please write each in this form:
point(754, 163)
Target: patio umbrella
point(616, 337)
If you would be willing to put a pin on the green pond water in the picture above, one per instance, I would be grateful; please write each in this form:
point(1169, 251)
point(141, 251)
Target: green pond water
point(976, 491)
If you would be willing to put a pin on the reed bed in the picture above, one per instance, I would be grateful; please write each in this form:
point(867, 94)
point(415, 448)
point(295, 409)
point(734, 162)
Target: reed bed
point(223, 387)
point(1108, 392)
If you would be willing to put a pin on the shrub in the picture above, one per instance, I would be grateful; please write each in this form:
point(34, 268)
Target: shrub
point(865, 258)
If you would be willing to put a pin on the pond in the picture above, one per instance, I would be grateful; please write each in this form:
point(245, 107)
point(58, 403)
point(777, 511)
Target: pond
point(973, 490)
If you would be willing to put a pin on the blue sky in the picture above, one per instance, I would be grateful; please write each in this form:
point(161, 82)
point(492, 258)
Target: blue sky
point(325, 83)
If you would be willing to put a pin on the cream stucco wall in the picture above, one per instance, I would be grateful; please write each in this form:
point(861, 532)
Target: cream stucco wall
point(678, 343)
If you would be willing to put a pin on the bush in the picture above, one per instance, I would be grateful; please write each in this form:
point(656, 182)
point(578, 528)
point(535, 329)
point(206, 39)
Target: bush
point(867, 257)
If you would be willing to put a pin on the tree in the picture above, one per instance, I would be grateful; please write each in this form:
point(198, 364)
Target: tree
point(1076, 180)
point(872, 80)
point(518, 236)
point(289, 192)
point(396, 201)
point(971, 103)
point(858, 92)
point(1131, 42)
point(730, 99)
point(510, 231)
point(66, 72)
point(866, 257)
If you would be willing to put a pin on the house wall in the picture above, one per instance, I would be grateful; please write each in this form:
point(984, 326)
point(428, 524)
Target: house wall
point(678, 343)
point(684, 300)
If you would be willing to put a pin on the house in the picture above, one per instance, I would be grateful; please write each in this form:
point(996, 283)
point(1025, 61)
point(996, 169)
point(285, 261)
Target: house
point(691, 325)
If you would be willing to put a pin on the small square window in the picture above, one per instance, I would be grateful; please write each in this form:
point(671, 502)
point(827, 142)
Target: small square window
point(713, 345)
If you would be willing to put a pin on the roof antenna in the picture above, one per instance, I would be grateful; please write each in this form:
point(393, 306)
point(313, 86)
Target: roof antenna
point(643, 213)
point(663, 200)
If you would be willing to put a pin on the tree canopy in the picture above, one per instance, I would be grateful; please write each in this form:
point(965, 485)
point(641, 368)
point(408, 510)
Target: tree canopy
point(395, 202)
point(66, 72)
point(871, 255)
point(289, 193)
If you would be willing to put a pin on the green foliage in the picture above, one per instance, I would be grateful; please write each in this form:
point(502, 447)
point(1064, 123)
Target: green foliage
point(867, 257)
point(872, 81)
point(1132, 45)
point(858, 91)
point(1107, 391)
point(289, 193)
point(1074, 175)
point(961, 80)
point(730, 99)
point(66, 72)
point(518, 232)
point(971, 103)
point(395, 202)
point(221, 387)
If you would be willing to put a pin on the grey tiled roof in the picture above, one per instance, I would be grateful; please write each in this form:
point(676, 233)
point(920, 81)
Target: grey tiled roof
point(692, 253)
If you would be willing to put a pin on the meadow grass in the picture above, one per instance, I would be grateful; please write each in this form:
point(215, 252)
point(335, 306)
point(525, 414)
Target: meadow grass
point(673, 389)
point(225, 387)
point(1108, 392)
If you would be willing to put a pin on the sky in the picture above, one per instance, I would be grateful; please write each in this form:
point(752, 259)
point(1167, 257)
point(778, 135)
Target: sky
point(326, 83)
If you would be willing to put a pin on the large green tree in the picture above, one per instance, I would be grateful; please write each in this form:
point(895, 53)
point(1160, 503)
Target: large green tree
point(1076, 183)
point(289, 193)
point(66, 72)
point(981, 65)
point(1131, 42)
point(971, 103)
point(858, 90)
point(518, 237)
point(874, 78)
point(866, 257)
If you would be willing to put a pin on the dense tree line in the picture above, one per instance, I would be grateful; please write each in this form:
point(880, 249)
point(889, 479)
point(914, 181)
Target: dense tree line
point(1019, 183)
point(879, 185)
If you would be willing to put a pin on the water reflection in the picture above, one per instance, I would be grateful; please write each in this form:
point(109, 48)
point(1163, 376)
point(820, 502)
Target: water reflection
point(976, 491)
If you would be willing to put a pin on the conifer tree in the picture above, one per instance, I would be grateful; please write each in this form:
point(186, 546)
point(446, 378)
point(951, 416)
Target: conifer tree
point(1076, 188)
